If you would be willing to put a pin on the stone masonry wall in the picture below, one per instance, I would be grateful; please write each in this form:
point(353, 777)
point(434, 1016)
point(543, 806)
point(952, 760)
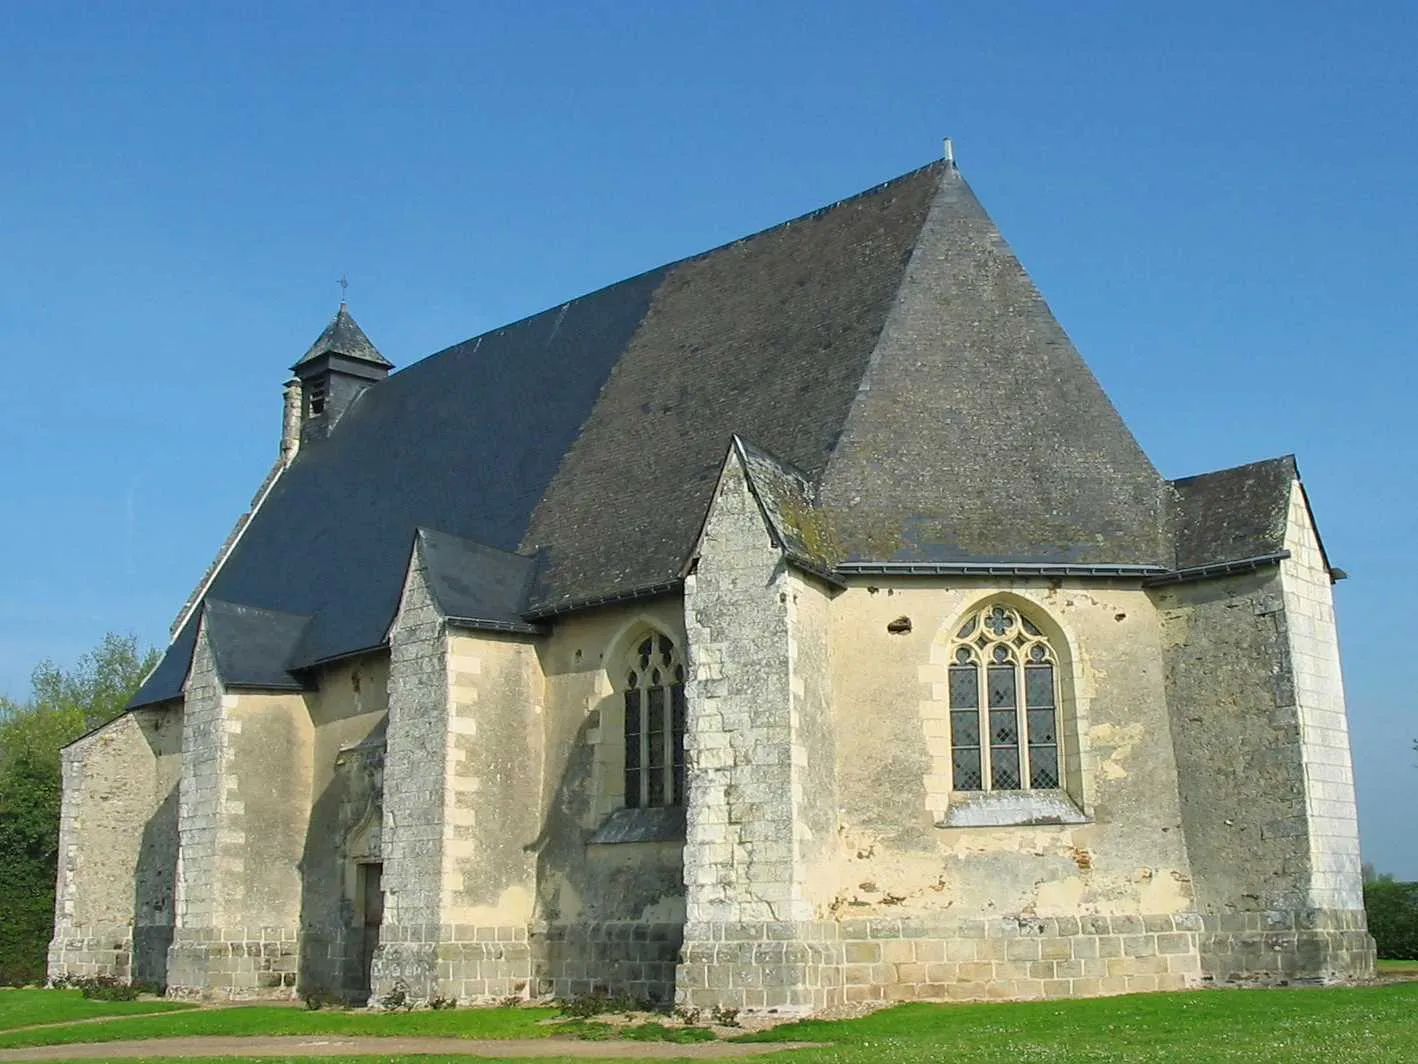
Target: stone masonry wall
point(610, 883)
point(348, 710)
point(118, 849)
point(1109, 843)
point(1332, 819)
point(1235, 730)
point(1260, 730)
point(781, 966)
point(635, 958)
point(739, 848)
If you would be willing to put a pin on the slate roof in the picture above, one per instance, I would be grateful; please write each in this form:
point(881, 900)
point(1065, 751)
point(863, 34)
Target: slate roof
point(893, 382)
point(475, 585)
point(1232, 514)
point(979, 431)
point(251, 645)
point(343, 336)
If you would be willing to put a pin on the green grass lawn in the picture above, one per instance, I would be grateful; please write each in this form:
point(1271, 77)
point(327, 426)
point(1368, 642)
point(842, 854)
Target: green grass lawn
point(285, 1020)
point(20, 1008)
point(1361, 1025)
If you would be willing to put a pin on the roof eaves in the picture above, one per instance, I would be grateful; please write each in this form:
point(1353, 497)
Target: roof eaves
point(487, 624)
point(548, 612)
point(812, 568)
point(988, 568)
point(333, 659)
point(241, 685)
point(1216, 569)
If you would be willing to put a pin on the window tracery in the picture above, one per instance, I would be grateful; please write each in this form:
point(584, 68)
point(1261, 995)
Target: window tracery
point(654, 724)
point(1004, 718)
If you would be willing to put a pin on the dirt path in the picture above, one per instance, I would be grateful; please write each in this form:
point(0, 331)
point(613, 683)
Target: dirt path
point(335, 1045)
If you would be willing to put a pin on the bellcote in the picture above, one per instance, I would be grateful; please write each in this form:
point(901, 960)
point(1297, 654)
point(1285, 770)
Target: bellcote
point(341, 363)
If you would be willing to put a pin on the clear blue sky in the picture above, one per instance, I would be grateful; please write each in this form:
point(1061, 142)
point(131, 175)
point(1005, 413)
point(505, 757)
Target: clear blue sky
point(1216, 198)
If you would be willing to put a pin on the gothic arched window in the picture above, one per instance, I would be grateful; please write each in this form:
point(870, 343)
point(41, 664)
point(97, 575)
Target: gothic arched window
point(654, 724)
point(1004, 718)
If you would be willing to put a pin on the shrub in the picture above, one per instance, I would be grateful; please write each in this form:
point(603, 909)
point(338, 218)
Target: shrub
point(1393, 917)
point(398, 998)
point(101, 987)
point(599, 1002)
point(724, 1016)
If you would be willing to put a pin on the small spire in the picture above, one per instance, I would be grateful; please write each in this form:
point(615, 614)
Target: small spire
point(343, 336)
point(949, 152)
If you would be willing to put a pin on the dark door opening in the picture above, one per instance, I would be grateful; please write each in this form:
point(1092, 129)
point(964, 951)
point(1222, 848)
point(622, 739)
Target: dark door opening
point(369, 884)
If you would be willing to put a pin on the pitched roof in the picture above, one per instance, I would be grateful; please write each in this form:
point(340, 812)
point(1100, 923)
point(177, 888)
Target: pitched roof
point(343, 336)
point(978, 431)
point(906, 390)
point(768, 338)
point(1232, 514)
point(475, 585)
point(251, 646)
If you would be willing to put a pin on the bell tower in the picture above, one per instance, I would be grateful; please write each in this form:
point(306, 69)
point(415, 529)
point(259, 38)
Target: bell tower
point(340, 364)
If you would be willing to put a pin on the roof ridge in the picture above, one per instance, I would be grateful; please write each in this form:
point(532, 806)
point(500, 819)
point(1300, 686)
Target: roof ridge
point(665, 267)
point(1273, 460)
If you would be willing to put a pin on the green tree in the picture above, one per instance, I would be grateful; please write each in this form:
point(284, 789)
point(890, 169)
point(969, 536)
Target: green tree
point(63, 705)
point(1393, 917)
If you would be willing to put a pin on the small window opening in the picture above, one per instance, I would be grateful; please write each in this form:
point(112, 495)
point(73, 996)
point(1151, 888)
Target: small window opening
point(315, 393)
point(654, 725)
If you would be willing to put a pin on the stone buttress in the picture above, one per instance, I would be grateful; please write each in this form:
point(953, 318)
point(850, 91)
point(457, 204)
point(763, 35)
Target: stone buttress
point(243, 811)
point(461, 808)
point(761, 791)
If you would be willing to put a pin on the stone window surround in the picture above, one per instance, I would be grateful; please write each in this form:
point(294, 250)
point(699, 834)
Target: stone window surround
point(995, 639)
point(614, 823)
point(655, 673)
point(1068, 804)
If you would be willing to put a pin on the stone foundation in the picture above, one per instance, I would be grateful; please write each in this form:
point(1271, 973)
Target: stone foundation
point(806, 967)
point(622, 957)
point(330, 962)
point(235, 964)
point(1316, 946)
point(784, 966)
point(84, 952)
point(473, 965)
point(484, 965)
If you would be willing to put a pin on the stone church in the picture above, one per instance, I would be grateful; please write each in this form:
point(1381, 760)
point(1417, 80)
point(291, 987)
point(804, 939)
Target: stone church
point(794, 624)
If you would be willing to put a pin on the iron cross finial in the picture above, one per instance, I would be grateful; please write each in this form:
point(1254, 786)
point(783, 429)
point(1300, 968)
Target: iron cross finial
point(344, 289)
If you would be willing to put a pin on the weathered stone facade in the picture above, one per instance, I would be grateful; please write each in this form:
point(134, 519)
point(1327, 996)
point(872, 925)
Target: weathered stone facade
point(1208, 833)
point(663, 711)
point(1210, 829)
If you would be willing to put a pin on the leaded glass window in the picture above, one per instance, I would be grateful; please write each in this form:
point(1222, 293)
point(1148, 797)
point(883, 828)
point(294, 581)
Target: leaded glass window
point(654, 724)
point(1004, 728)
